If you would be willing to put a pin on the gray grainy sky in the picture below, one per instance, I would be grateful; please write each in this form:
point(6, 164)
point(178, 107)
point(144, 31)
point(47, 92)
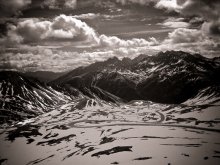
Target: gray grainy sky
point(60, 35)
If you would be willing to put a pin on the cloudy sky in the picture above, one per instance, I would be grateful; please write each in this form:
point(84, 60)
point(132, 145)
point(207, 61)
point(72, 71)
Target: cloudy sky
point(60, 35)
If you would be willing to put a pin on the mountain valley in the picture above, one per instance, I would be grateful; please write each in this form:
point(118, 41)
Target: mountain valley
point(162, 109)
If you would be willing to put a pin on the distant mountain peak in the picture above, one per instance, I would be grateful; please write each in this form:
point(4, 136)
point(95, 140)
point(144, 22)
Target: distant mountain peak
point(170, 77)
point(167, 77)
point(112, 59)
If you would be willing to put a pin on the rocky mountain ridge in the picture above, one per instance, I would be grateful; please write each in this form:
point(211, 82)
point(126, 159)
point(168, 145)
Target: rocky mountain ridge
point(170, 77)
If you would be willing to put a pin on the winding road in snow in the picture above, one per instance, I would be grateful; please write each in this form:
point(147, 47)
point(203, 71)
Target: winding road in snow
point(76, 124)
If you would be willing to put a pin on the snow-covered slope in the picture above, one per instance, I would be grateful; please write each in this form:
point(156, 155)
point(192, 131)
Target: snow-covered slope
point(90, 131)
point(209, 95)
point(22, 97)
point(162, 109)
point(169, 77)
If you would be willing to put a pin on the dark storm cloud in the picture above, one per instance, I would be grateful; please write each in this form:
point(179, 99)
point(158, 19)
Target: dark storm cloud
point(12, 7)
point(215, 28)
point(209, 10)
point(212, 28)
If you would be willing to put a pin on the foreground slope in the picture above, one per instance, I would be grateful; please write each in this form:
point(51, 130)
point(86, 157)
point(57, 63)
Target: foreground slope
point(87, 131)
point(22, 97)
point(162, 109)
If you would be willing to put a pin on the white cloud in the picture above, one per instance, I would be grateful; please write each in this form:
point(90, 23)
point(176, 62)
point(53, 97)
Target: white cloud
point(66, 28)
point(208, 10)
point(60, 4)
point(204, 39)
point(51, 4)
point(72, 28)
point(184, 35)
point(170, 5)
point(60, 28)
point(71, 4)
point(31, 58)
point(56, 32)
point(113, 41)
point(190, 40)
point(87, 16)
point(175, 23)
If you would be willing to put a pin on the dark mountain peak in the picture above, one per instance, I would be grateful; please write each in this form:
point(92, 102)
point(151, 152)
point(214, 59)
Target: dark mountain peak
point(167, 77)
point(126, 59)
point(180, 61)
point(217, 59)
point(172, 56)
point(126, 62)
point(139, 58)
point(169, 56)
point(95, 67)
point(112, 60)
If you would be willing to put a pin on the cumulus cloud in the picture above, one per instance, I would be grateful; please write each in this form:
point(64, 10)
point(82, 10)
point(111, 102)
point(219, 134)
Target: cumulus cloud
point(190, 40)
point(208, 10)
point(205, 8)
point(175, 23)
point(113, 41)
point(10, 7)
point(51, 4)
point(65, 28)
point(57, 31)
point(30, 58)
point(170, 5)
point(184, 35)
point(87, 16)
point(71, 4)
point(60, 28)
point(203, 40)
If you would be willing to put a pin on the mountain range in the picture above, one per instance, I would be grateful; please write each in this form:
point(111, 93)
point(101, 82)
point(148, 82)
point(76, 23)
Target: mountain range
point(171, 77)
point(161, 109)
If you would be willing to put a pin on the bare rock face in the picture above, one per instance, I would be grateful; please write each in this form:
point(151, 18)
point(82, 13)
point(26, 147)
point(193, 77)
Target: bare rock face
point(170, 77)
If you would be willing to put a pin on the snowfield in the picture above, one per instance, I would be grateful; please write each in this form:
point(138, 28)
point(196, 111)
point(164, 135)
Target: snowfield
point(88, 131)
